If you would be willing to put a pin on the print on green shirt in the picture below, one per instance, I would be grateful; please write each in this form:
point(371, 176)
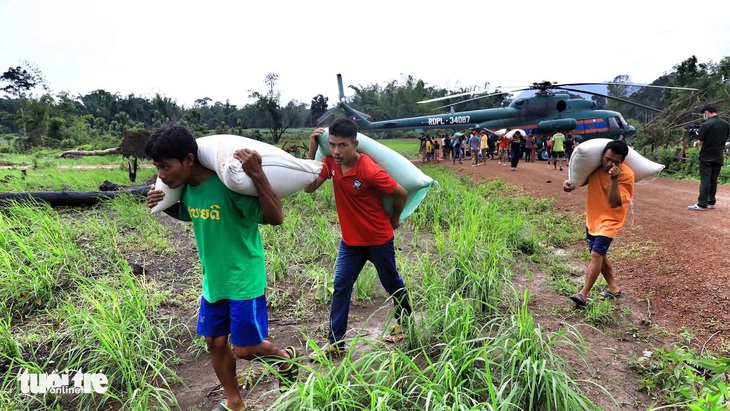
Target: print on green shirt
point(228, 239)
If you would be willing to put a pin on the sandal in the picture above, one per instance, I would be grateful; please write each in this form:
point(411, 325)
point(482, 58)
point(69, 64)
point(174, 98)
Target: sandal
point(289, 375)
point(396, 335)
point(327, 351)
point(579, 300)
point(608, 295)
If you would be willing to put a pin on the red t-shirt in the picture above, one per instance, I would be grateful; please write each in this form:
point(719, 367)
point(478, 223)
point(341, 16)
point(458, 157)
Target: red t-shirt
point(503, 142)
point(358, 196)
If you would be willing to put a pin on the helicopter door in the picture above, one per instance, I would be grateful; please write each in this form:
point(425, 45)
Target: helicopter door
point(613, 124)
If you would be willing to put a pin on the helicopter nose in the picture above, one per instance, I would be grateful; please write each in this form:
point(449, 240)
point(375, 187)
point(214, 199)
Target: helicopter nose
point(630, 131)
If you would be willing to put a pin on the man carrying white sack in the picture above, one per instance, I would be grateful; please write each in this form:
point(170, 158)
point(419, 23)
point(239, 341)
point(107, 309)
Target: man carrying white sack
point(610, 189)
point(233, 315)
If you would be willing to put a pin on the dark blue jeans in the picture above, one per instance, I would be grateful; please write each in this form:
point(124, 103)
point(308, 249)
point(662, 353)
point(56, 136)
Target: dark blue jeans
point(516, 154)
point(709, 172)
point(458, 153)
point(350, 261)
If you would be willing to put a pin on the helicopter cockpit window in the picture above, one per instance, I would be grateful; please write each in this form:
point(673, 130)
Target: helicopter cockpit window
point(613, 123)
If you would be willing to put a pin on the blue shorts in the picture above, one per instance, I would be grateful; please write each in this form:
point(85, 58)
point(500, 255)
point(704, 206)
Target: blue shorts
point(598, 243)
point(245, 320)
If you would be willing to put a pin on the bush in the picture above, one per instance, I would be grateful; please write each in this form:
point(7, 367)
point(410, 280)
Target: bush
point(667, 157)
point(690, 167)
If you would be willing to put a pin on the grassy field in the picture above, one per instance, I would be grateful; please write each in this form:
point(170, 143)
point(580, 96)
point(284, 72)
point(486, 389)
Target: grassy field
point(74, 301)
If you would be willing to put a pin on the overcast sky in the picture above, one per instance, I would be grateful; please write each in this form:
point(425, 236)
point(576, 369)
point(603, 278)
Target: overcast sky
point(188, 50)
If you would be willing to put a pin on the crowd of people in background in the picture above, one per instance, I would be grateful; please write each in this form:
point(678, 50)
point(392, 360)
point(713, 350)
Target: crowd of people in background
point(507, 148)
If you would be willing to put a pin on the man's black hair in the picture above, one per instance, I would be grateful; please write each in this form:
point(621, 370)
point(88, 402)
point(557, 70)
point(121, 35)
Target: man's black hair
point(171, 141)
point(617, 147)
point(709, 107)
point(344, 128)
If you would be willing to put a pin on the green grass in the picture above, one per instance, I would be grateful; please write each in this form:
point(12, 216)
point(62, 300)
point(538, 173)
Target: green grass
point(406, 147)
point(472, 345)
point(66, 179)
point(49, 158)
point(115, 326)
point(456, 354)
point(38, 255)
point(603, 313)
point(44, 171)
point(681, 377)
point(74, 304)
point(8, 345)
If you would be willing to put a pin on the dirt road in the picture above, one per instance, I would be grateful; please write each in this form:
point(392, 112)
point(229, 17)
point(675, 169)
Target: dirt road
point(687, 277)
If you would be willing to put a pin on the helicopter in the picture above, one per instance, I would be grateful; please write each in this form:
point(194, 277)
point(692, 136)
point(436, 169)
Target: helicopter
point(549, 110)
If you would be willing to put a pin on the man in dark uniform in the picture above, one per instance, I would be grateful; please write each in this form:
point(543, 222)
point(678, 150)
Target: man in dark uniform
point(712, 137)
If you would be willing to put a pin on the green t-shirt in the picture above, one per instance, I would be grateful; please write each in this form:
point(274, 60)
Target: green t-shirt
point(228, 239)
point(558, 140)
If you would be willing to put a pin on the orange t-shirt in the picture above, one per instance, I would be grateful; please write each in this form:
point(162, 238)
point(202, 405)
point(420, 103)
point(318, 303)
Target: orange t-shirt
point(601, 219)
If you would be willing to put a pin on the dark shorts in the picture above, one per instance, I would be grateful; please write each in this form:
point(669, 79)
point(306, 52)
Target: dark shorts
point(559, 154)
point(245, 320)
point(598, 243)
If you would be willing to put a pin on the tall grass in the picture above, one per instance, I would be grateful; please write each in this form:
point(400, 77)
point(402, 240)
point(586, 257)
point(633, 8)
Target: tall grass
point(114, 325)
point(65, 279)
point(472, 343)
point(38, 256)
point(506, 364)
point(131, 216)
point(524, 359)
point(8, 346)
point(108, 326)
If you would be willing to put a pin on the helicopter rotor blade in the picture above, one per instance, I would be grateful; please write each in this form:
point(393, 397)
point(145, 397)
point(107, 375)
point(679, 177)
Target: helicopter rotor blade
point(610, 83)
point(467, 93)
point(326, 114)
point(366, 116)
point(609, 97)
point(472, 99)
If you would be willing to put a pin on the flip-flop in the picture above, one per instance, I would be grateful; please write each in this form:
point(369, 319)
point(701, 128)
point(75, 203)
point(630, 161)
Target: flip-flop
point(396, 335)
point(579, 300)
point(607, 294)
point(327, 351)
point(289, 375)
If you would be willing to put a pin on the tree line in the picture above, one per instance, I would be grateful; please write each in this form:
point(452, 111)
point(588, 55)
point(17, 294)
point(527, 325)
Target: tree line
point(32, 116)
